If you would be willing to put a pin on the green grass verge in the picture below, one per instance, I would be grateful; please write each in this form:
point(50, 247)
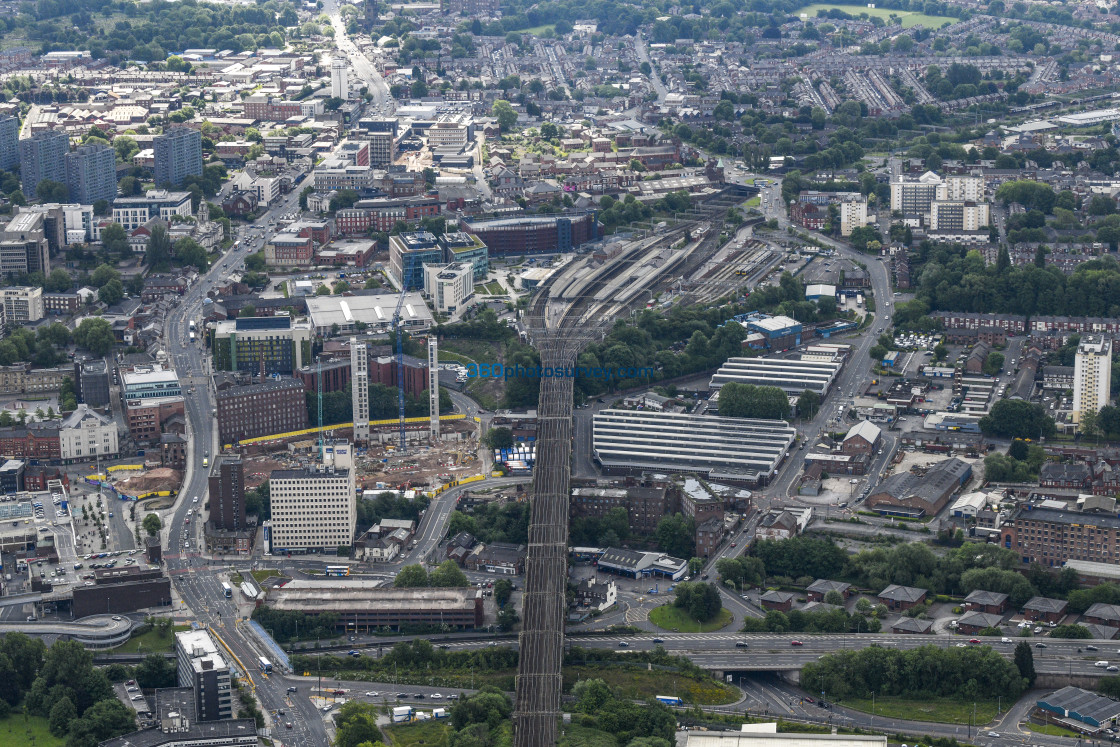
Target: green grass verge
point(668, 617)
point(148, 643)
point(940, 710)
point(635, 682)
point(22, 730)
point(754, 201)
point(575, 735)
point(445, 357)
point(1053, 730)
point(236, 578)
point(908, 18)
point(268, 573)
point(494, 288)
point(427, 733)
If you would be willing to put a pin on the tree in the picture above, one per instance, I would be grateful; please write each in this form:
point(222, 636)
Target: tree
point(357, 724)
point(503, 590)
point(674, 536)
point(303, 196)
point(1018, 449)
point(155, 671)
point(95, 335)
point(700, 600)
point(103, 274)
point(115, 240)
point(48, 190)
point(834, 597)
point(877, 353)
point(59, 281)
point(111, 293)
point(508, 619)
point(62, 713)
point(152, 525)
point(695, 566)
point(504, 112)
point(104, 720)
point(191, 253)
point(750, 401)
point(498, 438)
point(158, 254)
point(1024, 662)
point(1015, 418)
point(808, 404)
point(411, 576)
point(448, 574)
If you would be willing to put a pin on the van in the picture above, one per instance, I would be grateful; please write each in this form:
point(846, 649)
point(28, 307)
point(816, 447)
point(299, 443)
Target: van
point(1101, 664)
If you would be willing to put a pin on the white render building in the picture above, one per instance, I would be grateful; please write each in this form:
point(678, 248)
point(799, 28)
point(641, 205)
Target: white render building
point(1092, 375)
point(315, 508)
point(449, 286)
point(86, 433)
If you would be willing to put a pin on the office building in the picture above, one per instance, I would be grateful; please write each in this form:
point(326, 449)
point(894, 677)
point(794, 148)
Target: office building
point(9, 143)
point(1050, 536)
point(340, 89)
point(382, 148)
point(1092, 375)
point(133, 212)
point(359, 390)
point(42, 157)
point(367, 606)
point(86, 433)
point(119, 591)
point(450, 287)
point(276, 406)
point(202, 668)
point(91, 382)
point(408, 253)
point(227, 494)
point(178, 154)
point(91, 174)
point(174, 723)
point(947, 215)
point(261, 344)
point(853, 215)
point(24, 244)
point(150, 382)
point(738, 450)
point(22, 304)
point(463, 247)
point(533, 234)
point(314, 508)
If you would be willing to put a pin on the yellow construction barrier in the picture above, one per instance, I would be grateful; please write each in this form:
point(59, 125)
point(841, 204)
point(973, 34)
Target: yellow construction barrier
point(154, 494)
point(311, 431)
point(455, 484)
point(122, 467)
point(248, 676)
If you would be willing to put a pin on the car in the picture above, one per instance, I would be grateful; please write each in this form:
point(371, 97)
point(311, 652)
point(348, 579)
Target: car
point(796, 643)
point(352, 652)
point(402, 695)
point(137, 697)
point(658, 640)
point(1091, 648)
point(293, 689)
point(742, 644)
point(437, 696)
point(962, 645)
point(132, 689)
point(1040, 645)
point(444, 646)
point(327, 707)
point(453, 696)
point(1112, 668)
point(734, 544)
point(373, 694)
point(288, 725)
point(1005, 639)
point(116, 618)
point(419, 696)
point(623, 644)
point(993, 734)
point(973, 640)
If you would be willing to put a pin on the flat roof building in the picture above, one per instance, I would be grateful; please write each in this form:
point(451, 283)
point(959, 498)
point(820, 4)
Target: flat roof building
point(150, 382)
point(201, 667)
point(735, 449)
point(364, 605)
point(277, 343)
point(375, 311)
point(315, 508)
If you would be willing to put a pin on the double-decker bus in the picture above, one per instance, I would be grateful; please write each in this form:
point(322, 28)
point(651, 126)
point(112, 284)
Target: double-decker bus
point(337, 570)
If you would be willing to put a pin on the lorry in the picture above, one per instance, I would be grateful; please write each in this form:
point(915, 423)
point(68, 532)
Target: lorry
point(402, 714)
point(669, 700)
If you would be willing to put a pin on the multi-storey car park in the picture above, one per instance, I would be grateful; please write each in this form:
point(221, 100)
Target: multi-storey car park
point(734, 449)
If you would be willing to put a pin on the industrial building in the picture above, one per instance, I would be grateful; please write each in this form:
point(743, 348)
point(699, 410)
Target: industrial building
point(915, 496)
point(1050, 536)
point(765, 735)
point(1079, 709)
point(274, 344)
point(640, 564)
point(202, 668)
point(341, 314)
point(533, 234)
point(738, 450)
point(315, 508)
point(793, 376)
point(119, 591)
point(364, 605)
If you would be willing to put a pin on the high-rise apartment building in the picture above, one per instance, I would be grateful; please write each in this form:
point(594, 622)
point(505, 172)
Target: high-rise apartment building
point(201, 667)
point(340, 88)
point(359, 389)
point(227, 494)
point(314, 508)
point(1092, 375)
point(853, 215)
point(178, 154)
point(24, 244)
point(22, 304)
point(958, 215)
point(91, 174)
point(915, 195)
point(42, 156)
point(9, 143)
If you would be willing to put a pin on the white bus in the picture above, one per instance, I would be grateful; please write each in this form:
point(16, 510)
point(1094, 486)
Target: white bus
point(227, 589)
point(264, 664)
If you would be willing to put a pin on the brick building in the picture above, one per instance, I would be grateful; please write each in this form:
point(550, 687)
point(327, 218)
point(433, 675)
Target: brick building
point(146, 417)
point(1050, 537)
point(276, 406)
